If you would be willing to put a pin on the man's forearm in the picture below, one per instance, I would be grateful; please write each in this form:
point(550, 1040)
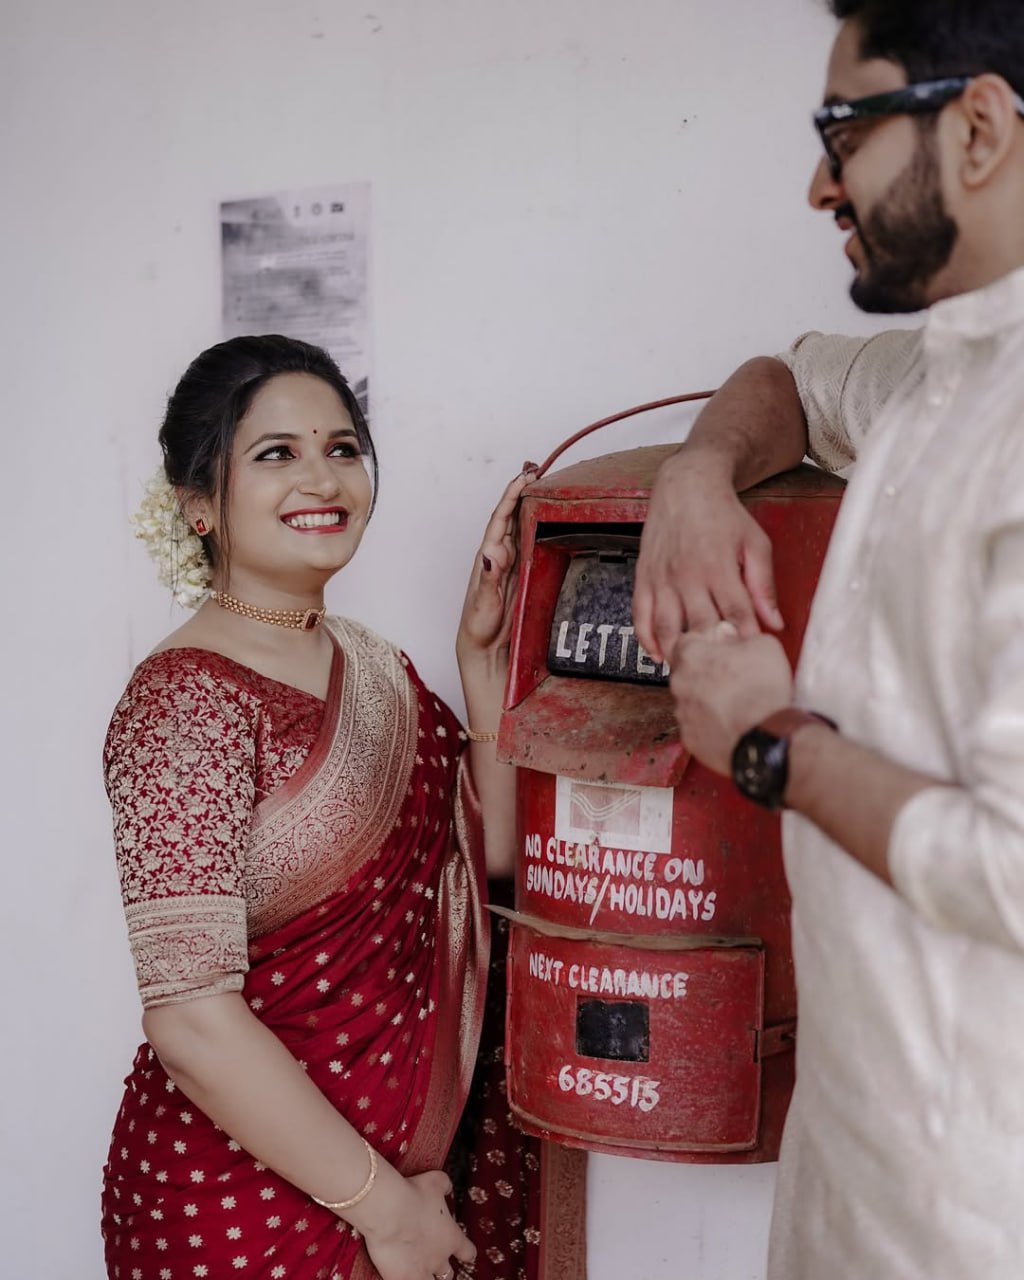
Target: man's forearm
point(752, 428)
point(851, 793)
point(702, 555)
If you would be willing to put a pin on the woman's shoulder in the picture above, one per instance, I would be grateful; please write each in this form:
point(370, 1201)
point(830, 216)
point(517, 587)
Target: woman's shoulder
point(187, 691)
point(187, 672)
point(368, 644)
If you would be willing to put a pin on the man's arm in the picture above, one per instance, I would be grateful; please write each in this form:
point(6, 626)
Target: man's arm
point(702, 556)
point(953, 848)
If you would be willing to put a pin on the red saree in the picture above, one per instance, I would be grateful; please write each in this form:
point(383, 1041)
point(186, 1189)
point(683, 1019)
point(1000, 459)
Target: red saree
point(366, 939)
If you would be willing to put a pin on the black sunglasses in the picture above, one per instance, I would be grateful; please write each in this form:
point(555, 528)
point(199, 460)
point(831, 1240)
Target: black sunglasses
point(913, 99)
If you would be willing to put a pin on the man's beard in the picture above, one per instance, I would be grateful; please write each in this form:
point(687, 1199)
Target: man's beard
point(907, 238)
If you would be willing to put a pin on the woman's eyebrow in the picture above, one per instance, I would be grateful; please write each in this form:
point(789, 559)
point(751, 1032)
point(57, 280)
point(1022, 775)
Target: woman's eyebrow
point(290, 435)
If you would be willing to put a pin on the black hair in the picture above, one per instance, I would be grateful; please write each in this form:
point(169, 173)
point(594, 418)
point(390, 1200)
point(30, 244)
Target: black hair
point(932, 39)
point(214, 395)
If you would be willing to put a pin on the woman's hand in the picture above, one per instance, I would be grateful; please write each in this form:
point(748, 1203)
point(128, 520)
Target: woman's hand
point(482, 651)
point(487, 611)
point(424, 1237)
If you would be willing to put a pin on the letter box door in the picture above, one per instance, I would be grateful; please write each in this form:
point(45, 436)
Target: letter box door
point(628, 1047)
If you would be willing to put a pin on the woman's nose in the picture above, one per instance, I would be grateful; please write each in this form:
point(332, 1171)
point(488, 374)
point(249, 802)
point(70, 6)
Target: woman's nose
point(319, 477)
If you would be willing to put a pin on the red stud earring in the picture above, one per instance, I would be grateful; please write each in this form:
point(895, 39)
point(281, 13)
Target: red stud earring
point(201, 528)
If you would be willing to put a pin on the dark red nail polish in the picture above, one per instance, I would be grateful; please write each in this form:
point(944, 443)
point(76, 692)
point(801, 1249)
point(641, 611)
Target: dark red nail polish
point(487, 563)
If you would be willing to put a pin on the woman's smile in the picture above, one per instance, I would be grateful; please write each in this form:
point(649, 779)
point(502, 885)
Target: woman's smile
point(317, 520)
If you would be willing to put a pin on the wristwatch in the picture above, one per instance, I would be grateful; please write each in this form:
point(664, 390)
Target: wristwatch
point(760, 760)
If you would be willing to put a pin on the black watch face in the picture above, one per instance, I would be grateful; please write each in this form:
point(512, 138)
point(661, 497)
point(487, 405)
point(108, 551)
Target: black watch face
point(759, 767)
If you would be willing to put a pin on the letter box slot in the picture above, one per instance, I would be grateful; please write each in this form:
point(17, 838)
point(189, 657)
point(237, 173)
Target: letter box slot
point(616, 1030)
point(592, 633)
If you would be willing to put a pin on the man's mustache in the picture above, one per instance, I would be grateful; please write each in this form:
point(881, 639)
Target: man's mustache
point(846, 211)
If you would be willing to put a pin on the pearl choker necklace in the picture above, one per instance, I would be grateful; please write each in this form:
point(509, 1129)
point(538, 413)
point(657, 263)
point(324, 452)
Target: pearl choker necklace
point(297, 619)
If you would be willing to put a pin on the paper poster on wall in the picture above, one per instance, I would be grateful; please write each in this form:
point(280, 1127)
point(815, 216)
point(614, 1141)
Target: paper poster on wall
point(295, 262)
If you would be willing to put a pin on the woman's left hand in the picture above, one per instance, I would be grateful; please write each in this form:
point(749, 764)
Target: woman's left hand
point(487, 612)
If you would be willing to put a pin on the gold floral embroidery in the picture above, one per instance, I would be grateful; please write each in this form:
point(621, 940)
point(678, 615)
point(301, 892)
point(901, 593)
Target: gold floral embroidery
point(354, 796)
point(221, 817)
point(187, 946)
point(193, 744)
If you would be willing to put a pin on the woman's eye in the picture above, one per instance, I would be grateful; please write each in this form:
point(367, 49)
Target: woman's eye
point(276, 453)
point(345, 449)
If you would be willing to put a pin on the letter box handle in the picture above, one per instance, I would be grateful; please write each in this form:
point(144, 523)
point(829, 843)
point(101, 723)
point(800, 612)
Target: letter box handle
point(776, 1039)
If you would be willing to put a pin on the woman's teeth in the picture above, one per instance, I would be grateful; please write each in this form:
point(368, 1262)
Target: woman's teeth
point(315, 521)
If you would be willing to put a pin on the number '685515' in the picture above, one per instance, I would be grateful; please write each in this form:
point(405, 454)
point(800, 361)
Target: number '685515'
point(604, 1086)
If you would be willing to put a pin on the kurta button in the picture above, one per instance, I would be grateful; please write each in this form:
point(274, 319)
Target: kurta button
point(855, 584)
point(890, 491)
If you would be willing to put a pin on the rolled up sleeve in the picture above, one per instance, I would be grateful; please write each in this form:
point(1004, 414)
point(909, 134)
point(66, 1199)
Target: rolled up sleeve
point(957, 852)
point(843, 384)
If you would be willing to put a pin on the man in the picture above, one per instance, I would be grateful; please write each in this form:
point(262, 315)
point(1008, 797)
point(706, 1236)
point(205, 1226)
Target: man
point(904, 1151)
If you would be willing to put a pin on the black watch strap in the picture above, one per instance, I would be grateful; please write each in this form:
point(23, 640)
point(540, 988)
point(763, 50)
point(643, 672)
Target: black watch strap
point(760, 760)
point(784, 723)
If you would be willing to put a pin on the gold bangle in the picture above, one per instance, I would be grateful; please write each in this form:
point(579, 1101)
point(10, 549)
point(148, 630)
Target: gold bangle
point(339, 1205)
point(482, 737)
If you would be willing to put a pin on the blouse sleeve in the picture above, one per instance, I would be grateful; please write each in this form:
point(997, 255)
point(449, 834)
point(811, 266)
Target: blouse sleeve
point(180, 774)
point(843, 384)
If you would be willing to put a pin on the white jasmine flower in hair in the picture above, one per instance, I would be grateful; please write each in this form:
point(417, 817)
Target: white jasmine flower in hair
point(172, 543)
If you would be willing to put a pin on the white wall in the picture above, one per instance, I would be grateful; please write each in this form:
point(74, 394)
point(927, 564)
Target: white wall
point(578, 204)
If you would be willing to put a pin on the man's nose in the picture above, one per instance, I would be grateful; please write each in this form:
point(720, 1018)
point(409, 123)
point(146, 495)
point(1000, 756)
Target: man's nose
point(826, 192)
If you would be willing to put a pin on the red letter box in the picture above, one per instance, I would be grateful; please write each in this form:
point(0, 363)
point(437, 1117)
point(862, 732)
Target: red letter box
point(651, 1006)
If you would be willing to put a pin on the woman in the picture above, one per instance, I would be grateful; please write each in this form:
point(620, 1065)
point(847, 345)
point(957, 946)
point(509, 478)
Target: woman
point(296, 838)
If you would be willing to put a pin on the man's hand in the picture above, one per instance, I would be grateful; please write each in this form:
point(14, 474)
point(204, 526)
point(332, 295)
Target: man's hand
point(703, 558)
point(722, 685)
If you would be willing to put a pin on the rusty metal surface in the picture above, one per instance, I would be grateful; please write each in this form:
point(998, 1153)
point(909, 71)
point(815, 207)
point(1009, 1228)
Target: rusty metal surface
point(598, 730)
point(631, 474)
point(592, 755)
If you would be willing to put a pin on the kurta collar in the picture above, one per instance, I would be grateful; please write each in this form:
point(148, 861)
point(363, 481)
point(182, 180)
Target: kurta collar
point(982, 313)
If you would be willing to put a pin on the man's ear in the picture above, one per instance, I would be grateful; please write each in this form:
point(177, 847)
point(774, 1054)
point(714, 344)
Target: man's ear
point(988, 109)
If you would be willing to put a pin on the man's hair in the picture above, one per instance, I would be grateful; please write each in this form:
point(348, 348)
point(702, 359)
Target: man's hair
point(931, 39)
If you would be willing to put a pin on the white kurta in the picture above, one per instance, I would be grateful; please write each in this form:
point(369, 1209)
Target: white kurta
point(903, 1157)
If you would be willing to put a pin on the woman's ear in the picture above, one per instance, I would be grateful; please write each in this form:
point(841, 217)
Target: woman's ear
point(196, 510)
point(989, 110)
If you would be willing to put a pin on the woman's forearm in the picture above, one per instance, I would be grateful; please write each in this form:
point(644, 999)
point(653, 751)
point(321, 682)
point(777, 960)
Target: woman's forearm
point(239, 1074)
point(483, 686)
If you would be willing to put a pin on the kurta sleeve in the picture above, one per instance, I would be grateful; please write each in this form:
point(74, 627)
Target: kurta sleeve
point(180, 774)
point(843, 384)
point(957, 852)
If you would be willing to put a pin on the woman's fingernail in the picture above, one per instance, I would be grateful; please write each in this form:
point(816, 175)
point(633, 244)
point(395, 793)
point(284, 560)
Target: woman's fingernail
point(528, 467)
point(486, 563)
